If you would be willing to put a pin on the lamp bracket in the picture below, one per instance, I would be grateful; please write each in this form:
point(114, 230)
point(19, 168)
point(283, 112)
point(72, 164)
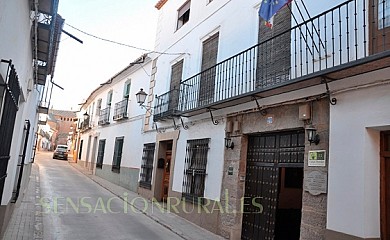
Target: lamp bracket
point(263, 112)
point(148, 109)
point(174, 124)
point(155, 124)
point(215, 122)
point(185, 127)
point(332, 101)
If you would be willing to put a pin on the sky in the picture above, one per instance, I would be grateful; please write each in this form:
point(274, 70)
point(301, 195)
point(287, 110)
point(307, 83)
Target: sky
point(81, 68)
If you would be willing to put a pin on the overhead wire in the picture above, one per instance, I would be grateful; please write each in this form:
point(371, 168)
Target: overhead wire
point(121, 44)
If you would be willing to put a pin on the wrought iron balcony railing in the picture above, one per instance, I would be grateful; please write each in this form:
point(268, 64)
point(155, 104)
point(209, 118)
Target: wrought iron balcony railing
point(85, 125)
point(120, 110)
point(353, 33)
point(104, 116)
point(166, 105)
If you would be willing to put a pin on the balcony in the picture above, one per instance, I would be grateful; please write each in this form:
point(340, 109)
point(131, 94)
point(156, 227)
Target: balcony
point(85, 125)
point(166, 105)
point(43, 107)
point(120, 110)
point(344, 41)
point(104, 116)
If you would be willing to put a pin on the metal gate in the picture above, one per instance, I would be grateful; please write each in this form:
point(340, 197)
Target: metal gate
point(9, 107)
point(266, 154)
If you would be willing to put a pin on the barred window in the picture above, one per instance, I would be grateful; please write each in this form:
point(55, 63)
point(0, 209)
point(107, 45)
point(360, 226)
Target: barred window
point(195, 170)
point(147, 166)
point(100, 155)
point(383, 13)
point(116, 161)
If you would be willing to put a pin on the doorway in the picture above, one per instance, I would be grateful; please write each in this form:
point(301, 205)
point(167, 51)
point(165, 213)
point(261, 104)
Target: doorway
point(163, 172)
point(274, 176)
point(385, 185)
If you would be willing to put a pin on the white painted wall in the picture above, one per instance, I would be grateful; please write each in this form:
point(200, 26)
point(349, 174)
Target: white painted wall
point(215, 156)
point(353, 187)
point(130, 129)
point(16, 45)
point(232, 19)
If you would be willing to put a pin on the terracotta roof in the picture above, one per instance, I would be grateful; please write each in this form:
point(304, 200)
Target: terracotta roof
point(160, 4)
point(63, 113)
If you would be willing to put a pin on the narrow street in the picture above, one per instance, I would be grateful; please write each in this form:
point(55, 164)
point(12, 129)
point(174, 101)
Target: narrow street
point(75, 207)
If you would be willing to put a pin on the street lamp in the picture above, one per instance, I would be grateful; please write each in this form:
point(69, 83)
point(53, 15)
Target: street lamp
point(141, 97)
point(86, 116)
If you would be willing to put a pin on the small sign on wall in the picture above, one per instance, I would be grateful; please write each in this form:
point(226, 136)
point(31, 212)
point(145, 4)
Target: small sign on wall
point(317, 158)
point(316, 182)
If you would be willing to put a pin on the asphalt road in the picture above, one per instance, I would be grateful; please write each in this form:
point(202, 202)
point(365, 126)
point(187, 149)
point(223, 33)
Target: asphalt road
point(75, 207)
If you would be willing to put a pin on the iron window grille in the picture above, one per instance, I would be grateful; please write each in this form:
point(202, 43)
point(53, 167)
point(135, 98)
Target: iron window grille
point(195, 170)
point(116, 161)
point(100, 156)
point(147, 166)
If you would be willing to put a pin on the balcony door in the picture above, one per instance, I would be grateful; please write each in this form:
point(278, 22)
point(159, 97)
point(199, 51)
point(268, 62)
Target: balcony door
point(176, 76)
point(207, 76)
point(379, 19)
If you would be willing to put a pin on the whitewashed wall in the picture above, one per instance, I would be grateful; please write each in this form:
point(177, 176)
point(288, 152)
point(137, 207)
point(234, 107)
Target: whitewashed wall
point(236, 22)
point(215, 156)
point(353, 187)
point(16, 45)
point(130, 129)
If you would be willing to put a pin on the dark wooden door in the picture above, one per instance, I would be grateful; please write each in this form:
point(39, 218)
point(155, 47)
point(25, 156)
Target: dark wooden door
point(385, 185)
point(267, 153)
point(176, 76)
point(207, 76)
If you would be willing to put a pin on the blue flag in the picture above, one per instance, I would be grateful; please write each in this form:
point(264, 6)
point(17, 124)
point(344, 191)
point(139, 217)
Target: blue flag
point(269, 8)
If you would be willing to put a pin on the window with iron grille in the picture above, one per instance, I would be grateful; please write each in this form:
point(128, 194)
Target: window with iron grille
point(195, 170)
point(147, 166)
point(100, 155)
point(383, 14)
point(116, 161)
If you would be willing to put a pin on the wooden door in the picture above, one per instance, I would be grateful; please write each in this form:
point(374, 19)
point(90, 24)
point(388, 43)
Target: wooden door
point(208, 71)
point(166, 175)
point(385, 185)
point(267, 153)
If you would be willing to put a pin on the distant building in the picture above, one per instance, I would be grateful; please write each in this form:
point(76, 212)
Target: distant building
point(65, 122)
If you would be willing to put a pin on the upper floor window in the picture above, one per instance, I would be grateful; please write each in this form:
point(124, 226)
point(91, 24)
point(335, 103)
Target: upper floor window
point(98, 106)
point(183, 14)
point(126, 89)
point(383, 13)
point(109, 98)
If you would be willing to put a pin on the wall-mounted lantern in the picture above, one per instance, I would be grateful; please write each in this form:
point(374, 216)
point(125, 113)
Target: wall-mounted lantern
point(229, 143)
point(312, 135)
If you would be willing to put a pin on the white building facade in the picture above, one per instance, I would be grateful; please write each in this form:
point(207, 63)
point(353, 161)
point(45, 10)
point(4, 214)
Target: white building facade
point(225, 78)
point(27, 54)
point(110, 140)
